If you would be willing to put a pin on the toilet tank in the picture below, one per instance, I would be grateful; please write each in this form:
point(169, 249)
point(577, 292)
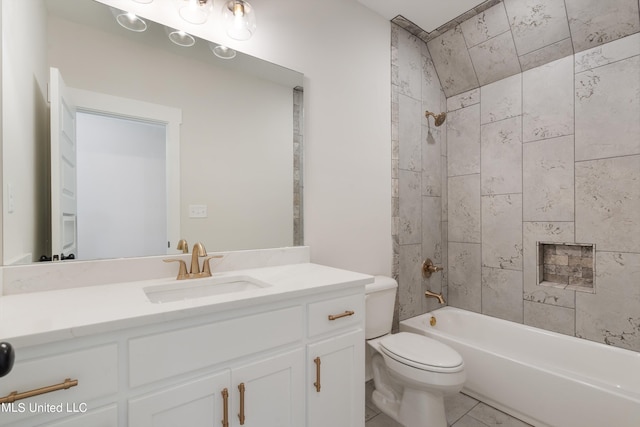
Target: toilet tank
point(379, 304)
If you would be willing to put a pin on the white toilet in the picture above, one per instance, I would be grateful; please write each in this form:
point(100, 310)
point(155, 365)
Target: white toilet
point(412, 373)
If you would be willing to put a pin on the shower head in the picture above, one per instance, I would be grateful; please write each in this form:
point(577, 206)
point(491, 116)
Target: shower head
point(439, 118)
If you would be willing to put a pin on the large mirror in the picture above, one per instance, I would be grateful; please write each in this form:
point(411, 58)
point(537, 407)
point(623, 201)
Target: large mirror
point(223, 173)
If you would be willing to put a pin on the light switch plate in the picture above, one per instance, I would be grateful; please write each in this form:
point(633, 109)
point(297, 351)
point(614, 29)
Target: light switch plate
point(197, 211)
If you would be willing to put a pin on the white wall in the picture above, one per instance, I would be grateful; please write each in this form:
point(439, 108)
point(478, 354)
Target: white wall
point(122, 196)
point(344, 51)
point(25, 125)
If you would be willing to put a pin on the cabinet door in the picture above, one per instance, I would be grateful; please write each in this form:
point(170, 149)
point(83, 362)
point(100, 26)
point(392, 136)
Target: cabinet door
point(270, 392)
point(335, 383)
point(194, 403)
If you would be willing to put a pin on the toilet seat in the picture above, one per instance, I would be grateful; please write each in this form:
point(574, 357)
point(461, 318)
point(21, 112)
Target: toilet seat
point(421, 352)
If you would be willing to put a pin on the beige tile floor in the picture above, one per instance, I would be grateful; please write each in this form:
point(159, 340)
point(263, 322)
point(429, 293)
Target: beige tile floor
point(461, 411)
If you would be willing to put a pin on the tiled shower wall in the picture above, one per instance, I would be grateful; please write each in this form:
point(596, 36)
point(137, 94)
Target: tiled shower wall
point(418, 167)
point(551, 154)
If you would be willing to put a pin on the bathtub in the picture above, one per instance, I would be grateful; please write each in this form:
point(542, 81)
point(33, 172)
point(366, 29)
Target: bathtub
point(541, 377)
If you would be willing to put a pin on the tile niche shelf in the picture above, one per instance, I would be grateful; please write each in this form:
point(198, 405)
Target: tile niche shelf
point(569, 266)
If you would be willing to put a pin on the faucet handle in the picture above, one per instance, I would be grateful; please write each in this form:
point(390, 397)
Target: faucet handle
point(206, 268)
point(182, 272)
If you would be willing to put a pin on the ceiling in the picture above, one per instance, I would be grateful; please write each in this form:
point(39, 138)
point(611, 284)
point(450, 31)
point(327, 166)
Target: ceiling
point(426, 14)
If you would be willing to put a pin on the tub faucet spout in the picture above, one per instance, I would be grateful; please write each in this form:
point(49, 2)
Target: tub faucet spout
point(439, 297)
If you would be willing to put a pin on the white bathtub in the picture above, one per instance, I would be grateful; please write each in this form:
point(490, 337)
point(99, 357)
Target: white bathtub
point(541, 377)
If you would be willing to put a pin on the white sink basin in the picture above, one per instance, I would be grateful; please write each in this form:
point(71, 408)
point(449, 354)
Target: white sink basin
point(198, 288)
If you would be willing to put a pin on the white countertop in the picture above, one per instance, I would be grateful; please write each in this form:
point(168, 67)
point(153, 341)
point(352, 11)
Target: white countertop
point(42, 317)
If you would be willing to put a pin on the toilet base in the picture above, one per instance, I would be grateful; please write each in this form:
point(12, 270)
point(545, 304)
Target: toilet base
point(416, 409)
point(408, 406)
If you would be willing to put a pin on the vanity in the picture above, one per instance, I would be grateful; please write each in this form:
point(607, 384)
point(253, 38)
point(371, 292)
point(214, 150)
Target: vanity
point(283, 348)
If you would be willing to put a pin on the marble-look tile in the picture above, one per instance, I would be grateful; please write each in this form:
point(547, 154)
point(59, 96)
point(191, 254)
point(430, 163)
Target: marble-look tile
point(546, 54)
point(430, 84)
point(485, 25)
point(463, 141)
point(501, 157)
point(431, 229)
point(451, 58)
point(410, 281)
point(409, 61)
point(465, 276)
point(614, 89)
point(431, 161)
point(501, 99)
point(595, 22)
point(469, 421)
point(410, 207)
point(463, 100)
point(502, 294)
point(445, 258)
point(493, 417)
point(464, 208)
point(445, 187)
point(548, 108)
point(409, 134)
point(456, 405)
point(533, 232)
point(547, 179)
point(502, 231)
point(495, 59)
point(537, 23)
point(608, 203)
point(607, 53)
point(550, 317)
point(382, 420)
point(612, 314)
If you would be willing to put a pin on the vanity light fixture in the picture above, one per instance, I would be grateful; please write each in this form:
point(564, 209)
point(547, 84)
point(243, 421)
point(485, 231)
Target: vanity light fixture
point(222, 52)
point(179, 37)
point(240, 19)
point(129, 20)
point(194, 11)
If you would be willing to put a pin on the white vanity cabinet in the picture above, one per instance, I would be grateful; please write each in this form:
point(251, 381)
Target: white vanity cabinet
point(264, 393)
point(251, 365)
point(335, 355)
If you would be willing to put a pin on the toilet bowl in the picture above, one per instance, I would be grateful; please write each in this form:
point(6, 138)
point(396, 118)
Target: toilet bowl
point(411, 373)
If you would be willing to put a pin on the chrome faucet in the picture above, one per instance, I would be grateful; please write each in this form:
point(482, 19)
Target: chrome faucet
point(439, 297)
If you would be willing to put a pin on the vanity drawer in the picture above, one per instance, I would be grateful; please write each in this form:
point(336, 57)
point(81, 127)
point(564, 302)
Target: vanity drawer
point(163, 355)
point(95, 369)
point(337, 313)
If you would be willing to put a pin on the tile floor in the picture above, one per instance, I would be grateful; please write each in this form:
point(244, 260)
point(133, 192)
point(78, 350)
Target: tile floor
point(461, 410)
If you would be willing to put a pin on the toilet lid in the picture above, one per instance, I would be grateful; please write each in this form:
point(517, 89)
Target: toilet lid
point(421, 352)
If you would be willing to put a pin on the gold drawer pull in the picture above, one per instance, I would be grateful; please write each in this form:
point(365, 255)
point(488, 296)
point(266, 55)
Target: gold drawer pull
point(225, 408)
point(338, 316)
point(13, 396)
point(241, 414)
point(317, 383)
